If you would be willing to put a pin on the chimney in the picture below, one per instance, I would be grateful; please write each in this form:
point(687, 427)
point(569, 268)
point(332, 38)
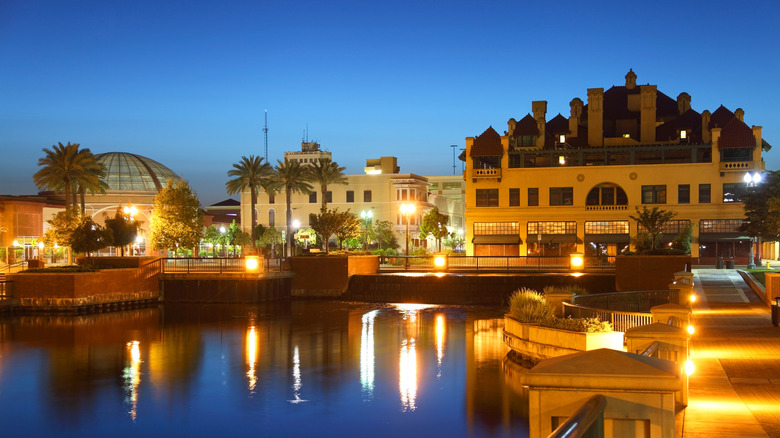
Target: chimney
point(595, 116)
point(647, 113)
point(705, 126)
point(740, 114)
point(757, 151)
point(683, 102)
point(576, 116)
point(630, 79)
point(539, 108)
point(510, 126)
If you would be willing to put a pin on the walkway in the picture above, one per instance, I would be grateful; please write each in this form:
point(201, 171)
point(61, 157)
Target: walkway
point(735, 390)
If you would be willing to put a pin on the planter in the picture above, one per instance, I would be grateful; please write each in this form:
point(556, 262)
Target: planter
point(535, 342)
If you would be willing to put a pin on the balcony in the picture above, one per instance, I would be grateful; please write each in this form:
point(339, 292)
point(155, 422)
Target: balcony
point(742, 166)
point(486, 174)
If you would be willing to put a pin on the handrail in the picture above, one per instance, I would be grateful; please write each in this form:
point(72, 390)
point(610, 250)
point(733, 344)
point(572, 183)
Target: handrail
point(651, 350)
point(585, 422)
point(633, 301)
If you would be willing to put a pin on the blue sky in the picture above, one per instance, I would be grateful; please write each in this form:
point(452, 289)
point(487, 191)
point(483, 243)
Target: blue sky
point(187, 82)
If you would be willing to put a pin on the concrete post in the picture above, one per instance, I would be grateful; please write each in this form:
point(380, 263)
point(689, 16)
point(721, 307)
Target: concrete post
point(672, 345)
point(556, 300)
point(679, 313)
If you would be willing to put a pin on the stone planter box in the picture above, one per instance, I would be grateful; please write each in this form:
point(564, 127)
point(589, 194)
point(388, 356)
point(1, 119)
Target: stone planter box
point(535, 342)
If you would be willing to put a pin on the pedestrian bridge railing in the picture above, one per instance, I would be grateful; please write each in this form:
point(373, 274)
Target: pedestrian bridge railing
point(635, 301)
point(493, 263)
point(620, 320)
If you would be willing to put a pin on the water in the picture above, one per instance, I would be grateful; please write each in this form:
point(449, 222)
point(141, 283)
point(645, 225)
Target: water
point(292, 368)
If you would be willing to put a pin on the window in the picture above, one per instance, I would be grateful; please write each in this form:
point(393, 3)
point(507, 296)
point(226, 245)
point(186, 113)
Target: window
point(732, 192)
point(313, 198)
point(271, 218)
point(606, 194)
point(719, 225)
point(271, 198)
point(487, 197)
point(684, 193)
point(704, 194)
point(350, 196)
point(736, 154)
point(606, 227)
point(496, 228)
point(561, 195)
point(526, 140)
point(671, 227)
point(654, 194)
point(328, 196)
point(514, 197)
point(533, 196)
point(366, 195)
point(556, 227)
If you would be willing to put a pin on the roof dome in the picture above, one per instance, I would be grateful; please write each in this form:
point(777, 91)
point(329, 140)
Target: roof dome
point(127, 172)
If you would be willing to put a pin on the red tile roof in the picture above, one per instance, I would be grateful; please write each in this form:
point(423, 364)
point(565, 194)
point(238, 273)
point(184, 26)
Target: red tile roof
point(487, 144)
point(721, 117)
point(526, 126)
point(736, 134)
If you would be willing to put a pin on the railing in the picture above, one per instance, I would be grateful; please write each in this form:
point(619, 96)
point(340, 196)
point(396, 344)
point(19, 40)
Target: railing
point(621, 321)
point(638, 301)
point(586, 422)
point(486, 173)
point(493, 263)
point(216, 265)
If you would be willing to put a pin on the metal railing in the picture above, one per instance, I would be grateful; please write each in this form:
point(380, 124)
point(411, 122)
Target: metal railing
point(190, 265)
point(637, 301)
point(494, 263)
point(621, 321)
point(585, 422)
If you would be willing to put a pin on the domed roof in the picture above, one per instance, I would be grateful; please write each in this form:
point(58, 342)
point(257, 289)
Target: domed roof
point(131, 172)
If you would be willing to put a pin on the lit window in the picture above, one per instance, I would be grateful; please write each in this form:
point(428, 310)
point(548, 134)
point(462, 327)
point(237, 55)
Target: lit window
point(562, 139)
point(683, 135)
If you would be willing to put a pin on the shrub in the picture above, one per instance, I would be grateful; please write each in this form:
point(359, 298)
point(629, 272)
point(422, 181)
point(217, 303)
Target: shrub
point(527, 305)
point(587, 325)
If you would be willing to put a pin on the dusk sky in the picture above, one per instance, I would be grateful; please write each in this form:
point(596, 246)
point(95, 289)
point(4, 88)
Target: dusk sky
point(186, 83)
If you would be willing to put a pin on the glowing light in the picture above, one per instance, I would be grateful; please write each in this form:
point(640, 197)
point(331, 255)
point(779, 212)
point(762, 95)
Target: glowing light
point(253, 264)
point(576, 261)
point(16, 243)
point(407, 380)
point(251, 357)
point(139, 239)
point(131, 375)
point(683, 135)
point(561, 159)
point(374, 171)
point(296, 223)
point(440, 331)
point(689, 368)
point(562, 139)
point(440, 262)
point(40, 245)
point(691, 329)
point(367, 353)
point(410, 310)
point(692, 298)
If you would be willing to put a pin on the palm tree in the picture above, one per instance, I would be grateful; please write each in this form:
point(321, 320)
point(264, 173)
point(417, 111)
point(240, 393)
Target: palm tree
point(63, 167)
point(91, 179)
point(293, 178)
point(250, 173)
point(324, 172)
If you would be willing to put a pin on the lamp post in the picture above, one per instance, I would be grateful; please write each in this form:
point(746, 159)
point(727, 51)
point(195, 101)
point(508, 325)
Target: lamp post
point(407, 210)
point(752, 180)
point(296, 225)
point(366, 215)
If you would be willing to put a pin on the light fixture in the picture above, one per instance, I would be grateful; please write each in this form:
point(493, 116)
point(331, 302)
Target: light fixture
point(561, 159)
point(562, 139)
point(689, 368)
point(440, 262)
point(691, 329)
point(252, 264)
point(576, 261)
point(626, 135)
point(683, 135)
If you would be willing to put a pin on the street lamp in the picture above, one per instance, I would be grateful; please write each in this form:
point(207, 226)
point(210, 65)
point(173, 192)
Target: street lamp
point(752, 180)
point(366, 215)
point(407, 210)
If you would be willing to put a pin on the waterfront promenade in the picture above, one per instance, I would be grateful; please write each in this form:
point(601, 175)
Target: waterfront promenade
point(735, 390)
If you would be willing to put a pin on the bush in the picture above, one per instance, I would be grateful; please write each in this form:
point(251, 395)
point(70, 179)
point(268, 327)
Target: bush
point(587, 325)
point(527, 305)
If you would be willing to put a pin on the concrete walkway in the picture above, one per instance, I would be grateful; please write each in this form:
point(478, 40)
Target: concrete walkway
point(735, 390)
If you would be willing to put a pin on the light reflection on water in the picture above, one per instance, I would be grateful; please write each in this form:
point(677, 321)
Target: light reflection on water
point(206, 370)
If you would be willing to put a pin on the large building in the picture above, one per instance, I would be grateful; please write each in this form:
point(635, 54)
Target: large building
point(381, 190)
point(563, 185)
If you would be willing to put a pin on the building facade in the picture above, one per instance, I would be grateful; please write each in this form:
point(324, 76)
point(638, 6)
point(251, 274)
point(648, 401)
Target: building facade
point(564, 185)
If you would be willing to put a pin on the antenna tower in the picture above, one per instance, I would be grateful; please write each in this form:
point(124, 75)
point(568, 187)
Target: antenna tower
point(265, 136)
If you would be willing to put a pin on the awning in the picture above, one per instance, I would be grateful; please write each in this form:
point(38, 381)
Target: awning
point(501, 239)
point(608, 238)
point(722, 237)
point(553, 238)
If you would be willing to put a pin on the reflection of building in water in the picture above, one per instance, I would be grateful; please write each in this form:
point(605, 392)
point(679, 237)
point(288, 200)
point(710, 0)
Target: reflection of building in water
point(131, 377)
point(488, 401)
point(367, 353)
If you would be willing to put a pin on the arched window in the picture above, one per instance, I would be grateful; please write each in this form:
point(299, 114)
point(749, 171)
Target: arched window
point(606, 194)
point(271, 218)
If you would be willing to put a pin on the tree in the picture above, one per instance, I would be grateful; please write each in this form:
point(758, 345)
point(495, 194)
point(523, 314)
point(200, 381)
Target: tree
point(762, 208)
point(349, 227)
point(654, 221)
point(123, 230)
point(383, 234)
point(270, 238)
point(177, 220)
point(66, 168)
point(61, 229)
point(88, 236)
point(215, 238)
point(454, 241)
point(434, 224)
point(325, 224)
point(682, 241)
point(250, 173)
point(91, 179)
point(292, 178)
point(324, 172)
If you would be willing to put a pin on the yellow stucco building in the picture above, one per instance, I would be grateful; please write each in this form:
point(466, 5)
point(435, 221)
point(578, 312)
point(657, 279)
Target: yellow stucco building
point(564, 185)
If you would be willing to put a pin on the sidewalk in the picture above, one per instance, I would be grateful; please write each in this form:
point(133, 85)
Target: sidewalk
point(735, 390)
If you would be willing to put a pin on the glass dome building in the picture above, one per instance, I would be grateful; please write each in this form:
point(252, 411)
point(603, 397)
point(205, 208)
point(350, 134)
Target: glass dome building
point(126, 172)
